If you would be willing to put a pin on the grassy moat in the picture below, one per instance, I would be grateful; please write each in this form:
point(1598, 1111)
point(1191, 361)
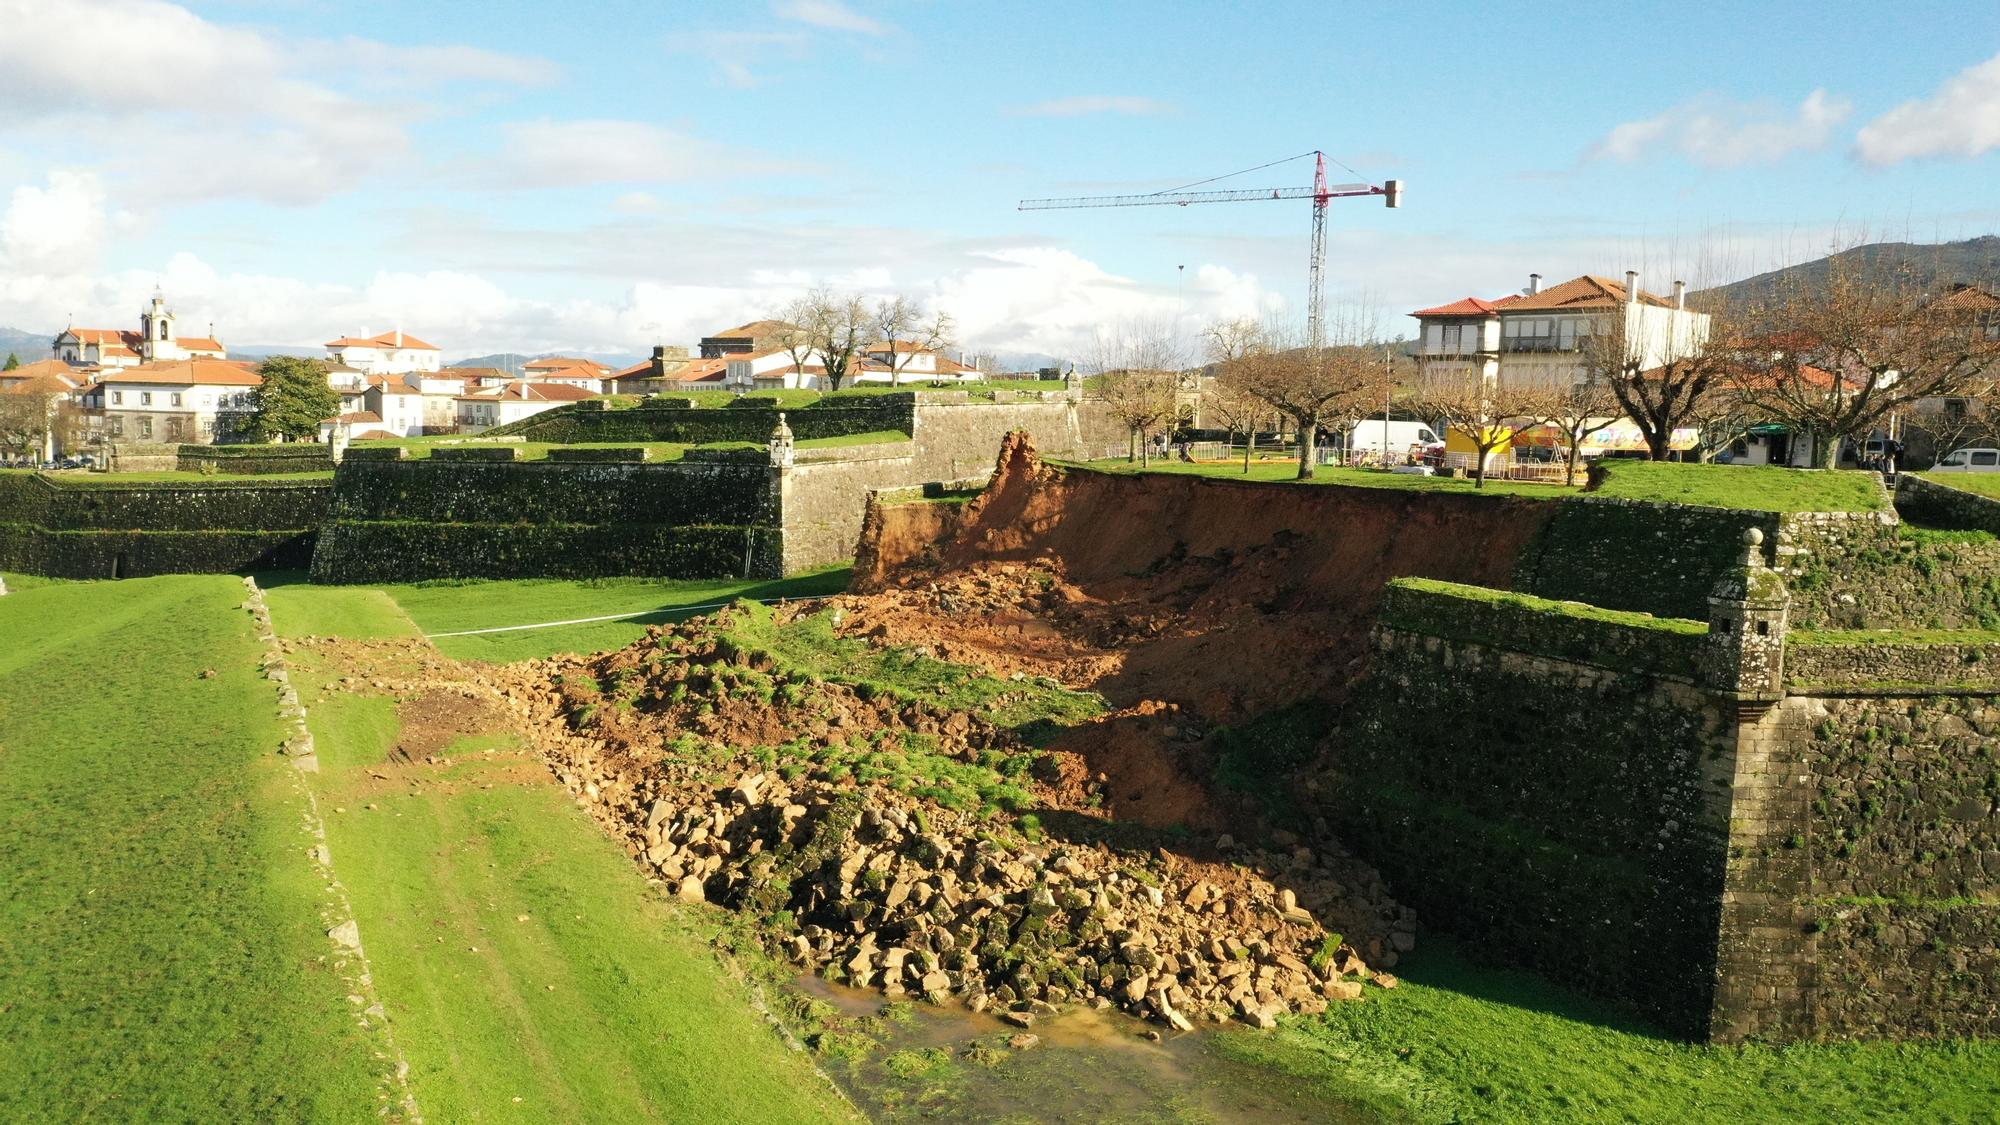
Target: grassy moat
point(529, 972)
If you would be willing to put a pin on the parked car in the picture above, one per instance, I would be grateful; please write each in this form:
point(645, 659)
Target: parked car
point(1975, 460)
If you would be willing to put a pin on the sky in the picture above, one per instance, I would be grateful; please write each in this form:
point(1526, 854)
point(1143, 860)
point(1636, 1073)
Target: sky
point(597, 177)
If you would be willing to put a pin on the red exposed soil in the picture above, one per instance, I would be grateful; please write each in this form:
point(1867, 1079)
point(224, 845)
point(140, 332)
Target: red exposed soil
point(1230, 598)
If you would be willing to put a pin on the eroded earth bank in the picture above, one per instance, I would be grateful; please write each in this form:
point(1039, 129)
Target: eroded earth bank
point(1020, 767)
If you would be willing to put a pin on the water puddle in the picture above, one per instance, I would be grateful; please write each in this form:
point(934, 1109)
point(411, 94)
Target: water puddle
point(945, 1063)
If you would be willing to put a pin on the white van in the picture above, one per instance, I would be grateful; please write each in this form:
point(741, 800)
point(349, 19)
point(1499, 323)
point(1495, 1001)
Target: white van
point(1393, 438)
point(1969, 461)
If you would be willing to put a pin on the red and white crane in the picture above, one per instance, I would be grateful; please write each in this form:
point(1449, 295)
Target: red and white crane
point(1320, 193)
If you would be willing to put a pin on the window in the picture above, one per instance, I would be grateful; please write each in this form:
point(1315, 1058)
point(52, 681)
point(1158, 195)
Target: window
point(117, 427)
point(177, 398)
point(117, 398)
point(145, 398)
point(173, 429)
point(145, 427)
point(1957, 458)
point(1986, 457)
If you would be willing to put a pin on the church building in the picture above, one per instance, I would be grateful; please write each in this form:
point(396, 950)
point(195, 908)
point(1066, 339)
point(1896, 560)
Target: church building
point(156, 341)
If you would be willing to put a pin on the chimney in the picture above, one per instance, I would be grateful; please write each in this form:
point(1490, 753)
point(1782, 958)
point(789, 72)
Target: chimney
point(1631, 287)
point(1534, 284)
point(1680, 294)
point(399, 332)
point(659, 361)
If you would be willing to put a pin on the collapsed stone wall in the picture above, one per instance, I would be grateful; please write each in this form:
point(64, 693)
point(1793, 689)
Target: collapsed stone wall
point(411, 520)
point(952, 439)
point(84, 530)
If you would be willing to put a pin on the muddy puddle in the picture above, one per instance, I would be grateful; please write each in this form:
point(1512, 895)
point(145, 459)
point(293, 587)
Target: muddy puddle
point(1088, 1066)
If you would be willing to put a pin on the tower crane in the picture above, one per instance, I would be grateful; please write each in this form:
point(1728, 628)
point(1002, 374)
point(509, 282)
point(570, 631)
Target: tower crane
point(1320, 193)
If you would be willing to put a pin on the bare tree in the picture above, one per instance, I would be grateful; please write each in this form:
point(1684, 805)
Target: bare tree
point(831, 326)
point(1486, 413)
point(1835, 359)
point(1224, 396)
point(1724, 417)
point(1228, 340)
point(1663, 387)
point(1139, 381)
point(1577, 411)
point(897, 318)
point(1315, 387)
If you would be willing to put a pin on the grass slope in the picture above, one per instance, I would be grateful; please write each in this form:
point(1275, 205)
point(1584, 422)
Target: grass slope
point(1763, 488)
point(1286, 472)
point(1985, 484)
point(450, 606)
point(529, 972)
point(1460, 1043)
point(1756, 488)
point(160, 949)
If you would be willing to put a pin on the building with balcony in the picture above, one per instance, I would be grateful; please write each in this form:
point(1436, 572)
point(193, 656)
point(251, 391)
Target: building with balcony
point(1543, 336)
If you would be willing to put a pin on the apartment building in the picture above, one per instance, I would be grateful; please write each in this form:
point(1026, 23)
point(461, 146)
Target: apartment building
point(1543, 336)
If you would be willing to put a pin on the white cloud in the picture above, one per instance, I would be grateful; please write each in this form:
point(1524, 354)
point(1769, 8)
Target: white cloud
point(1081, 105)
point(1961, 119)
point(830, 15)
point(549, 153)
point(1721, 133)
point(59, 228)
point(147, 85)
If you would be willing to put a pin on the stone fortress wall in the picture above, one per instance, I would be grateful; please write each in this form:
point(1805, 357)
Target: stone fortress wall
point(1764, 840)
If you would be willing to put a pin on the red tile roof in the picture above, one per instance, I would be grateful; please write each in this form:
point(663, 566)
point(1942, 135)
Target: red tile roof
point(1470, 306)
point(190, 372)
point(102, 336)
point(521, 390)
point(198, 343)
point(1586, 292)
point(385, 340)
point(565, 362)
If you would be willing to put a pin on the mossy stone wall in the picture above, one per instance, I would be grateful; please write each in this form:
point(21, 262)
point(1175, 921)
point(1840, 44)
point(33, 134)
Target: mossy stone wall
point(411, 520)
point(1556, 815)
point(254, 459)
point(68, 531)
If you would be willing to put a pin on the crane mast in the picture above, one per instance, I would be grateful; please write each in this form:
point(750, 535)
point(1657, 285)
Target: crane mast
point(1321, 193)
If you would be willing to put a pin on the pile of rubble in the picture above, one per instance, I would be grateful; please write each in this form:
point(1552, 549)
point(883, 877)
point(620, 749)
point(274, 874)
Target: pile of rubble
point(883, 889)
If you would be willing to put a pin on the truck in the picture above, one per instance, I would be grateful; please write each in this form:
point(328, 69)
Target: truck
point(1392, 442)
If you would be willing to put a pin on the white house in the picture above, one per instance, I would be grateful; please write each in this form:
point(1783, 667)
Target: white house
point(1540, 336)
point(909, 362)
point(391, 353)
point(777, 369)
point(189, 400)
point(484, 409)
point(155, 341)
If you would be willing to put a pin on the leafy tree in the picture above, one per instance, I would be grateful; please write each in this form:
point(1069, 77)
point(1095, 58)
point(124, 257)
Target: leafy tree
point(13, 361)
point(293, 401)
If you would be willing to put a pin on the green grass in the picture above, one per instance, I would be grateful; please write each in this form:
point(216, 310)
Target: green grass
point(161, 956)
point(1836, 637)
point(529, 971)
point(1460, 1043)
point(451, 605)
point(1762, 488)
point(872, 437)
point(1580, 610)
point(18, 582)
point(81, 479)
point(1755, 488)
point(1985, 484)
point(1286, 472)
point(360, 612)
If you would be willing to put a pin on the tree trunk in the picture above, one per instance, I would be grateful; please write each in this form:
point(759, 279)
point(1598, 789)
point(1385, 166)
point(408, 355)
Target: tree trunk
point(1145, 449)
point(1826, 451)
point(1569, 462)
point(1306, 435)
point(1479, 466)
point(1249, 444)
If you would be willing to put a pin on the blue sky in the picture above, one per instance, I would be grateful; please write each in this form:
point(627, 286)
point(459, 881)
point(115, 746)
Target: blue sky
point(598, 176)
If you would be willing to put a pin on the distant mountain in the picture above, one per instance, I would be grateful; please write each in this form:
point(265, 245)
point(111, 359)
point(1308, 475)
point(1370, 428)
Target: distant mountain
point(514, 361)
point(29, 346)
point(1933, 265)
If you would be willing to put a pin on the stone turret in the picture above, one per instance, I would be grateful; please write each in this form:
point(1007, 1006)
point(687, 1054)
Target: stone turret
point(1746, 626)
point(782, 451)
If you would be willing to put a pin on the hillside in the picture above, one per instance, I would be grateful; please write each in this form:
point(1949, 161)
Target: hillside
point(30, 346)
point(1933, 264)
